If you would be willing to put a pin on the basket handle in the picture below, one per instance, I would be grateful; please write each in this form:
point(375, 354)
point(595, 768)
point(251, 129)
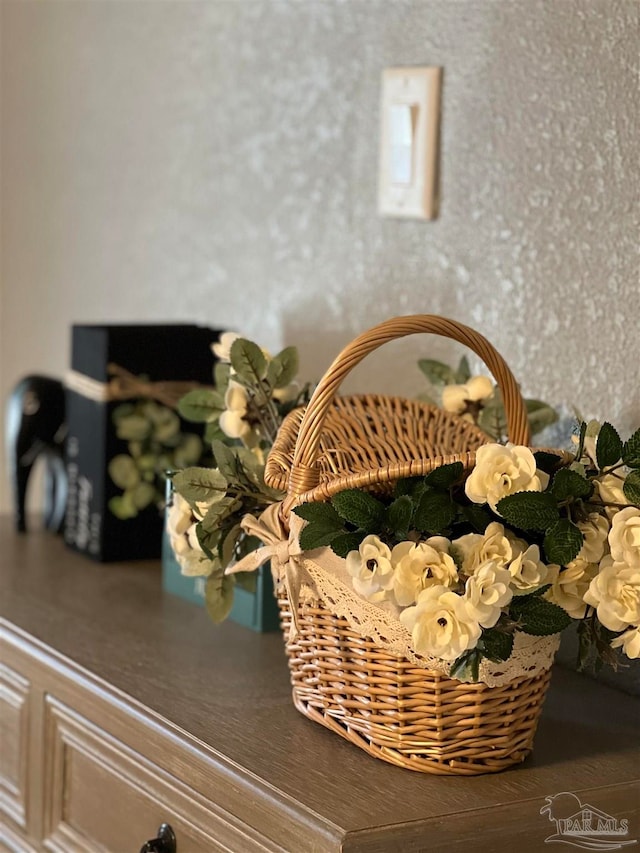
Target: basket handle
point(305, 474)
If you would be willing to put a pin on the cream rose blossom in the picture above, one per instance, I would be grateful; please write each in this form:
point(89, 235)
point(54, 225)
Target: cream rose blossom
point(502, 470)
point(624, 537)
point(595, 531)
point(528, 572)
point(232, 420)
point(570, 585)
point(222, 350)
point(615, 593)
point(476, 549)
point(441, 624)
point(455, 398)
point(609, 489)
point(370, 569)
point(487, 591)
point(419, 566)
point(181, 529)
point(629, 641)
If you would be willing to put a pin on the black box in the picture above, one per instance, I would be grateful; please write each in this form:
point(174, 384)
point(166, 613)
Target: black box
point(157, 353)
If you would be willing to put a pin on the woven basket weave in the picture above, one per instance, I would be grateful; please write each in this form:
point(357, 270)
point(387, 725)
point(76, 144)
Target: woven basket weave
point(412, 717)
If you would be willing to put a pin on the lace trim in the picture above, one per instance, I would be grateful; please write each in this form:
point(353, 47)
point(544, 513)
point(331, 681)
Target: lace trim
point(530, 656)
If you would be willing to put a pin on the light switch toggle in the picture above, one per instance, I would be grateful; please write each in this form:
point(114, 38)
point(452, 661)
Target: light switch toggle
point(403, 127)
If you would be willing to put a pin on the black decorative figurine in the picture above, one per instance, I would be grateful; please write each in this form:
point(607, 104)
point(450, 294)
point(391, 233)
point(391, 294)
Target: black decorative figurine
point(35, 426)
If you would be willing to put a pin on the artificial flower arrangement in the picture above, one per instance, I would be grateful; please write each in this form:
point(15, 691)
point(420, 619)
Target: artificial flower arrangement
point(252, 394)
point(523, 543)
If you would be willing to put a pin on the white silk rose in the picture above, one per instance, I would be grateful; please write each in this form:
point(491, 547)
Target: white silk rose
point(181, 529)
point(595, 530)
point(624, 537)
point(455, 398)
point(232, 420)
point(570, 585)
point(476, 549)
point(222, 350)
point(441, 624)
point(487, 591)
point(629, 641)
point(615, 593)
point(370, 569)
point(528, 572)
point(502, 470)
point(417, 566)
point(609, 489)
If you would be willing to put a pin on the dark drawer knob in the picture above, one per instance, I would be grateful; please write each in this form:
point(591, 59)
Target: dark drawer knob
point(164, 843)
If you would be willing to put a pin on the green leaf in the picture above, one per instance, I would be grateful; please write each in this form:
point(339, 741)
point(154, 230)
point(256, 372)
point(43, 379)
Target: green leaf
point(631, 487)
point(218, 595)
point(582, 434)
point(143, 495)
point(201, 405)
point(122, 411)
point(226, 460)
point(247, 581)
point(248, 361)
point(124, 471)
point(217, 512)
point(412, 486)
point(212, 432)
point(569, 484)
point(631, 450)
point(200, 484)
point(123, 507)
point(496, 645)
point(221, 375)
point(563, 542)
point(539, 617)
point(434, 513)
point(445, 476)
point(317, 535)
point(467, 666)
point(320, 513)
point(360, 509)
point(133, 428)
point(547, 462)
point(437, 372)
point(529, 510)
point(477, 516)
point(608, 446)
point(398, 517)
point(283, 368)
point(188, 451)
point(463, 373)
point(493, 420)
point(343, 543)
point(541, 415)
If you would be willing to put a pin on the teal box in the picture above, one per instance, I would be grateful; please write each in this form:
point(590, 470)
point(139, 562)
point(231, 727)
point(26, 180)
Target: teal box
point(255, 610)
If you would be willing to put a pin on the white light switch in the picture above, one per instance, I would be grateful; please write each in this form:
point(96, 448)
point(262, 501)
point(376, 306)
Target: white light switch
point(408, 180)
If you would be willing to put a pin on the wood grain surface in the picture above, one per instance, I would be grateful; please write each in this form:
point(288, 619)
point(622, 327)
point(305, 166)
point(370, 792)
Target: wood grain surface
point(223, 693)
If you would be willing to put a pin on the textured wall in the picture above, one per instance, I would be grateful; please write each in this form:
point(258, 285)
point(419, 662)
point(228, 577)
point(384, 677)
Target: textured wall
point(218, 161)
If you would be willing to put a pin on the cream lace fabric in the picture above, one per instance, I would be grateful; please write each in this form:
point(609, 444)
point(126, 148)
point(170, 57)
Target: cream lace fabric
point(321, 575)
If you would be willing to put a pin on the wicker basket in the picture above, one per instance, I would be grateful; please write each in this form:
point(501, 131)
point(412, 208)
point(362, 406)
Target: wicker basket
point(406, 715)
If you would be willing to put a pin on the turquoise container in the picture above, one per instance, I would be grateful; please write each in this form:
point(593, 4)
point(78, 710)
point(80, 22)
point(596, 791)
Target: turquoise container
point(255, 610)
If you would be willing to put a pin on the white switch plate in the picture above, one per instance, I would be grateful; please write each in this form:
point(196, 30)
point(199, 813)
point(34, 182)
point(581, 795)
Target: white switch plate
point(410, 129)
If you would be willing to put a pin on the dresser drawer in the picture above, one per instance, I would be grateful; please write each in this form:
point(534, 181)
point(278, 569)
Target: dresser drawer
point(14, 744)
point(103, 795)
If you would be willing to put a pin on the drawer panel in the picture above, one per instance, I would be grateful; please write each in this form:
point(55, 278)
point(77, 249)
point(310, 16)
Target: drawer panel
point(14, 743)
point(102, 795)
